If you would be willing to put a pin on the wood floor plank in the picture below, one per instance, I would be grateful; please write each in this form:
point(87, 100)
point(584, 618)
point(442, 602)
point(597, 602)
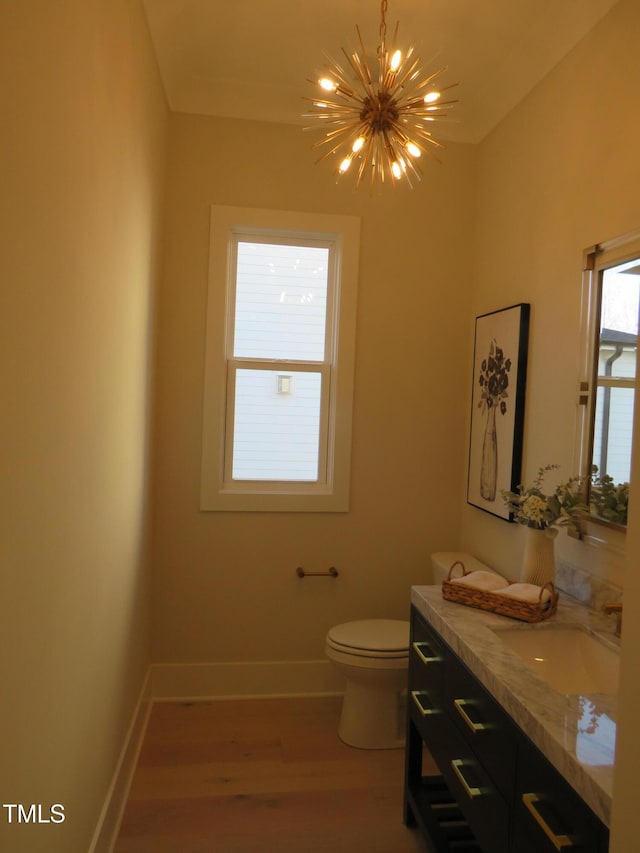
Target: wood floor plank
point(266, 776)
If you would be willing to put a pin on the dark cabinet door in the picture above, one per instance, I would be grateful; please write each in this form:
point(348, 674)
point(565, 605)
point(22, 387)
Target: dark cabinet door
point(481, 803)
point(426, 659)
point(483, 724)
point(548, 815)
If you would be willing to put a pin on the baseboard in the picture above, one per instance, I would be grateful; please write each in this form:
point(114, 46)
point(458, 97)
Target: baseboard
point(244, 679)
point(105, 835)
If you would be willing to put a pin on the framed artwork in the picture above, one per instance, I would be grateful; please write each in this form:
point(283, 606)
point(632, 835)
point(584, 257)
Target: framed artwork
point(497, 407)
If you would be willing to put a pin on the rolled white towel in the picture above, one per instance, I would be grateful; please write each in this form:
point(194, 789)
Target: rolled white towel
point(488, 581)
point(527, 592)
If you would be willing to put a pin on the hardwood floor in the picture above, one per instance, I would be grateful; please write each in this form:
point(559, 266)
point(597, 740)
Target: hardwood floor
point(262, 776)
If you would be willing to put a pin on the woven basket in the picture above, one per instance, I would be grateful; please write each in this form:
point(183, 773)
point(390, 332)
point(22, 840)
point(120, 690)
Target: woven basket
point(496, 603)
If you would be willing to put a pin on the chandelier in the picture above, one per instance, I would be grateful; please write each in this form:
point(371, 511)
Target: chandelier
point(378, 125)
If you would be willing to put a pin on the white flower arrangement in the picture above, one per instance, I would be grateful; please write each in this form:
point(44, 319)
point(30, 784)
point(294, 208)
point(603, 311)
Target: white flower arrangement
point(531, 507)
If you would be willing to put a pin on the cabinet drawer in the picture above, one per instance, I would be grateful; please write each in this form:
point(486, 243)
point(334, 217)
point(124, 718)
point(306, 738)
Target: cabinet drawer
point(548, 814)
point(482, 723)
point(426, 658)
point(484, 808)
point(425, 710)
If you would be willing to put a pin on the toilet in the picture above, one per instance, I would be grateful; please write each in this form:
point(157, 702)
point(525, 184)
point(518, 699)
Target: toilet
point(373, 657)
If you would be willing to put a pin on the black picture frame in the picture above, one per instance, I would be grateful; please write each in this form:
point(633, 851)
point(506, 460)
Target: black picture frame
point(500, 351)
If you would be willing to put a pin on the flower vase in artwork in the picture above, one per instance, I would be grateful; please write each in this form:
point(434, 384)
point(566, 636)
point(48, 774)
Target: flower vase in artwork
point(489, 463)
point(538, 563)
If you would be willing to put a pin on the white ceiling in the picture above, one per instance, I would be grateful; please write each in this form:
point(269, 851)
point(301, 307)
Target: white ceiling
point(252, 58)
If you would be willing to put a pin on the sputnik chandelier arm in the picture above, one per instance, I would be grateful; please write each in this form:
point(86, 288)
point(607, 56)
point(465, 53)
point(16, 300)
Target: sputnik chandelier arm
point(379, 123)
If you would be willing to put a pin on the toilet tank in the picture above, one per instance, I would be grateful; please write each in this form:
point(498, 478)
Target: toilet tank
point(442, 561)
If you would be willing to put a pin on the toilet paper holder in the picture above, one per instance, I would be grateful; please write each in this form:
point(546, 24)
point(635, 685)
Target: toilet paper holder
point(332, 573)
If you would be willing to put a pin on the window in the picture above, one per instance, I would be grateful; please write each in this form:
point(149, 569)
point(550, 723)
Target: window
point(611, 308)
point(616, 370)
point(279, 361)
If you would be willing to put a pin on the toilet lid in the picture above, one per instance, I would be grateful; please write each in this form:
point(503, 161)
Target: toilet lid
point(387, 637)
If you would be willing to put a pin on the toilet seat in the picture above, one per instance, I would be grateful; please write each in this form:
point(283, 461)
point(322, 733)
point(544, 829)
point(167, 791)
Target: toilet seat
point(371, 638)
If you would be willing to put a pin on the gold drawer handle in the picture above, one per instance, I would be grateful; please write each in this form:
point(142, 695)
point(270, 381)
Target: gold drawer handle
point(472, 792)
point(415, 695)
point(560, 842)
point(430, 657)
point(475, 727)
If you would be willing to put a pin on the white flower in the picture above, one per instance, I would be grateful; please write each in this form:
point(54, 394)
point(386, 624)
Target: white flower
point(534, 508)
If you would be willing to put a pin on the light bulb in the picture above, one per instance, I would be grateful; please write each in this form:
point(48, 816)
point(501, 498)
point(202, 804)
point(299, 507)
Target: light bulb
point(396, 59)
point(397, 171)
point(413, 149)
point(357, 145)
point(431, 97)
point(327, 85)
point(345, 165)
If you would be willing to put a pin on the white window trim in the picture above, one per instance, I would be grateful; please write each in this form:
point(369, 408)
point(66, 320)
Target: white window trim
point(332, 494)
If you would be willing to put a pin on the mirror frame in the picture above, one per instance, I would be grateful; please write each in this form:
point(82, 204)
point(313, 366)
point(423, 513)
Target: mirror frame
point(617, 251)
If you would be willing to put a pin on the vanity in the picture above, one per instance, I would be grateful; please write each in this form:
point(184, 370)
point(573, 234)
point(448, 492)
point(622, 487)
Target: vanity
point(519, 719)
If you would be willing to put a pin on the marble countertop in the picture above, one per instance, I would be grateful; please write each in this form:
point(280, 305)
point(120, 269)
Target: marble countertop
point(575, 733)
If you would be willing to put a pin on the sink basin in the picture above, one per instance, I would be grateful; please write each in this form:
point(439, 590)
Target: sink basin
point(569, 658)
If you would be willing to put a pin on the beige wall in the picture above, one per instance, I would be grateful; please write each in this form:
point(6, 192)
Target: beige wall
point(81, 149)
point(225, 586)
point(559, 174)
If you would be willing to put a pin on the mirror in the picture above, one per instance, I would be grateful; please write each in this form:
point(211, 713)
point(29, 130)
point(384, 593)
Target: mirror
point(614, 285)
